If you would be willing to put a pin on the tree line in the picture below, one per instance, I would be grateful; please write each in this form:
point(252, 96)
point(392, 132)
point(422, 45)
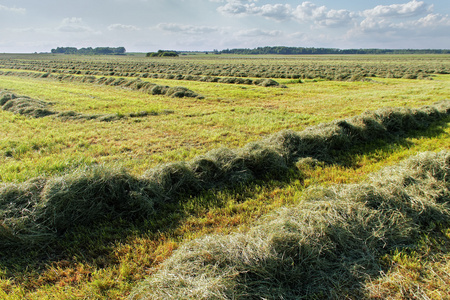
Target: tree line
point(162, 53)
point(90, 50)
point(303, 50)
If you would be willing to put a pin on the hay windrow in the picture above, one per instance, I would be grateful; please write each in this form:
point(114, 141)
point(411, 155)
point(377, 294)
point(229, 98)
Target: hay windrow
point(325, 140)
point(93, 195)
point(24, 105)
point(27, 106)
point(330, 242)
point(134, 84)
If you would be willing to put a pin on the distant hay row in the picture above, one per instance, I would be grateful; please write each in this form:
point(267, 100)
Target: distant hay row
point(264, 82)
point(29, 107)
point(245, 68)
point(330, 243)
point(135, 84)
point(41, 208)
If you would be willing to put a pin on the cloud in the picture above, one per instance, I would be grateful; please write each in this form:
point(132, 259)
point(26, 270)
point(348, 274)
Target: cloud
point(277, 12)
point(13, 9)
point(74, 25)
point(256, 32)
point(305, 12)
point(410, 9)
point(186, 29)
point(402, 25)
point(308, 11)
point(432, 24)
point(433, 20)
point(391, 18)
point(238, 7)
point(322, 16)
point(122, 27)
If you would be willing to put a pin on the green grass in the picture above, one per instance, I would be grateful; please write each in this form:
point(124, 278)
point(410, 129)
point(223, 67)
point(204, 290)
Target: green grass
point(108, 260)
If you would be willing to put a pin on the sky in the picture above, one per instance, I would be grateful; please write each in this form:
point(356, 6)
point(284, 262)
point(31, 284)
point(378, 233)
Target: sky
point(203, 25)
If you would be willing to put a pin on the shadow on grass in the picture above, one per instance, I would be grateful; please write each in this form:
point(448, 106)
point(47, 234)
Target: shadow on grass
point(382, 148)
point(96, 244)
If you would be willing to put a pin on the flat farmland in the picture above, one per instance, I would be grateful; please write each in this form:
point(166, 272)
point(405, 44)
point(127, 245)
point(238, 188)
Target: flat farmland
point(141, 124)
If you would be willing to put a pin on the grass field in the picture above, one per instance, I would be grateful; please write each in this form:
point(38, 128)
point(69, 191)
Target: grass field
point(110, 257)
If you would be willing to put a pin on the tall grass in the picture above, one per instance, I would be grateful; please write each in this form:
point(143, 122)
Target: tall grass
point(327, 245)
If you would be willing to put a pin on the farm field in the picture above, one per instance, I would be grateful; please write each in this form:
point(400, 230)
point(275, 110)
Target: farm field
point(205, 148)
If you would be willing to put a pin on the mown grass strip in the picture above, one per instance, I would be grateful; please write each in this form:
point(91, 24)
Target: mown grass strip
point(41, 209)
point(135, 84)
point(29, 107)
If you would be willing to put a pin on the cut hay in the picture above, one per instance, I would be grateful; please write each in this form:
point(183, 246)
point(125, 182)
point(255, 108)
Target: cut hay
point(324, 141)
point(328, 244)
point(24, 105)
point(41, 209)
point(38, 109)
point(134, 84)
point(95, 194)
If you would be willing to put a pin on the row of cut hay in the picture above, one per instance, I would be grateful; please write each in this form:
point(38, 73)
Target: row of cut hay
point(27, 106)
point(24, 105)
point(165, 183)
point(135, 84)
point(190, 70)
point(325, 140)
point(41, 209)
point(229, 80)
point(323, 248)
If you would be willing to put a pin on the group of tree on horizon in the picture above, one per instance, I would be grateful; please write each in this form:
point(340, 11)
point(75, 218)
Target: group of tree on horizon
point(90, 50)
point(282, 50)
point(312, 50)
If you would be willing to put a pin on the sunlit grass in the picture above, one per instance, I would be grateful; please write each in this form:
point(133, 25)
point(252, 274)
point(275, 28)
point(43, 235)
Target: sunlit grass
point(230, 115)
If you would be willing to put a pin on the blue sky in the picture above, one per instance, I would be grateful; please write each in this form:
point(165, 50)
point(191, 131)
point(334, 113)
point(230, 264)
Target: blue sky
point(149, 25)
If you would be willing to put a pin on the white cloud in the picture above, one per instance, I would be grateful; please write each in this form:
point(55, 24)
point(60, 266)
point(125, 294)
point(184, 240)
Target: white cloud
point(187, 29)
point(305, 12)
point(122, 27)
point(74, 25)
point(277, 12)
point(237, 7)
point(391, 18)
point(433, 20)
point(410, 9)
point(256, 32)
point(12, 9)
point(308, 11)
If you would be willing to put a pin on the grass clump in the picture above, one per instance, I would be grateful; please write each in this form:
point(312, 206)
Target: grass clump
point(48, 207)
point(172, 180)
point(329, 244)
point(24, 105)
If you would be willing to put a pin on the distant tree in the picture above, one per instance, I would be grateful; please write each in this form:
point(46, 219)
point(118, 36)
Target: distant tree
point(65, 50)
point(162, 53)
point(303, 50)
point(90, 50)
